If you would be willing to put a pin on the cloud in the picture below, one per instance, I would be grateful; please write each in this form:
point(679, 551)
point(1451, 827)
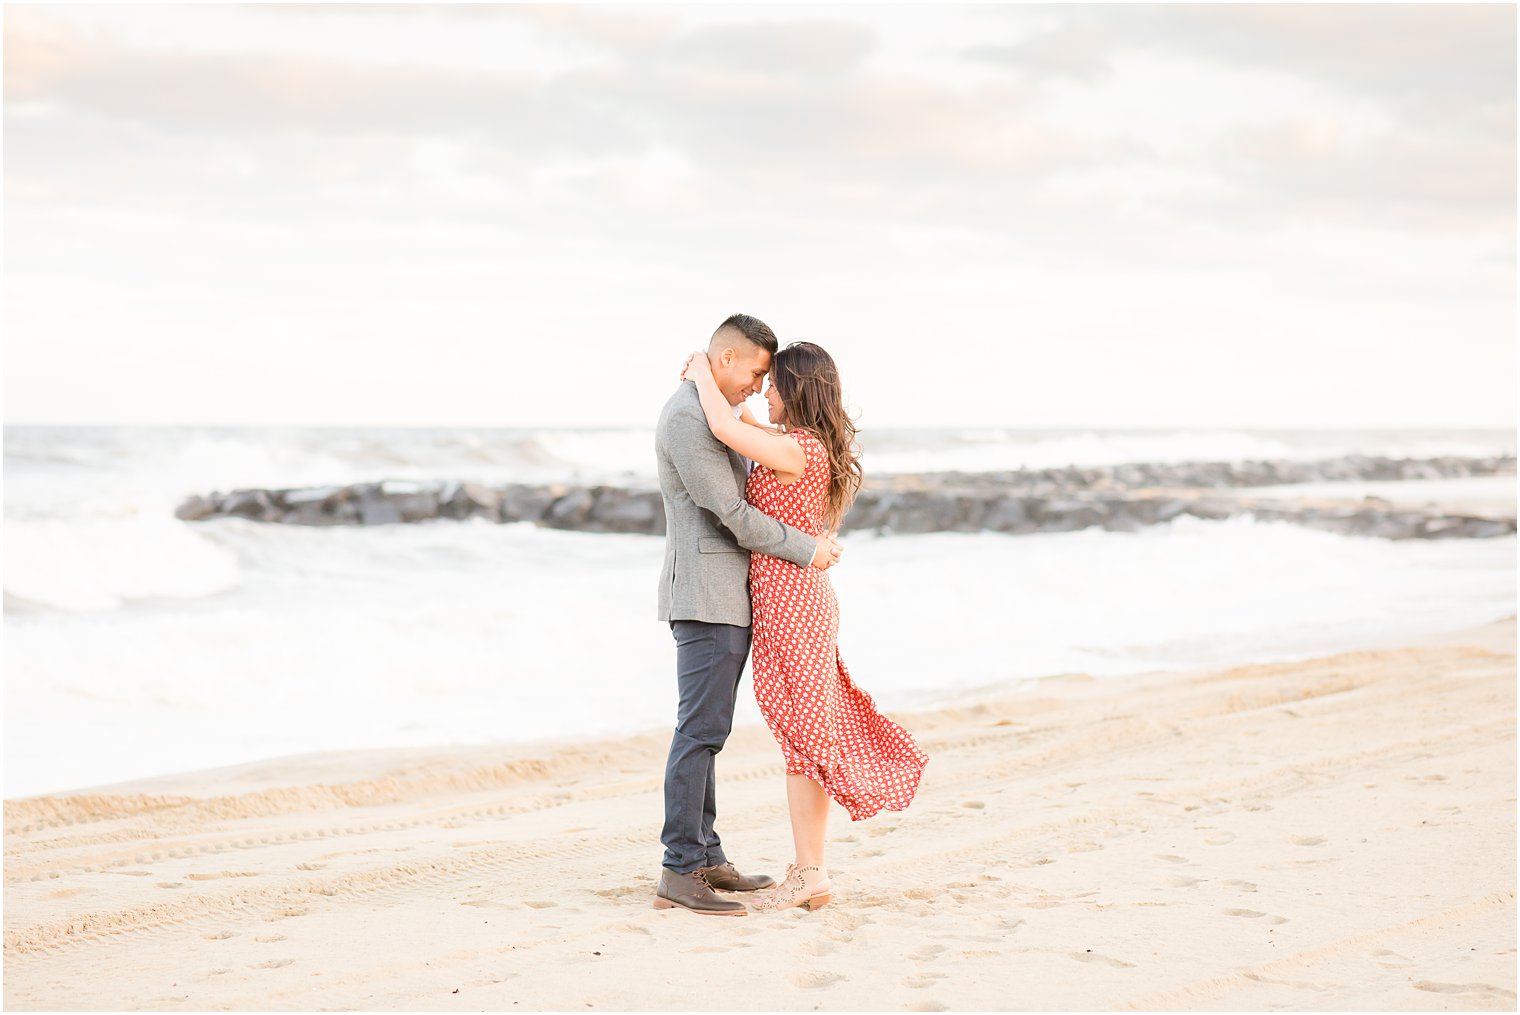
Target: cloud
point(741, 106)
point(220, 93)
point(1308, 170)
point(1075, 50)
point(1435, 151)
point(1430, 63)
point(676, 130)
point(1411, 55)
point(625, 32)
point(810, 48)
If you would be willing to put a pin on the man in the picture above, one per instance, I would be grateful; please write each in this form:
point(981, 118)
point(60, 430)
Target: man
point(704, 594)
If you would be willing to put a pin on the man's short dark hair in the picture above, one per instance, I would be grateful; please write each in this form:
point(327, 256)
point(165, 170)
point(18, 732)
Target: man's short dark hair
point(754, 330)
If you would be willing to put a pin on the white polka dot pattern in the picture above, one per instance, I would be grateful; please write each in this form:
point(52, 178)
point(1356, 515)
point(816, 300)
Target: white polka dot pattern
point(828, 728)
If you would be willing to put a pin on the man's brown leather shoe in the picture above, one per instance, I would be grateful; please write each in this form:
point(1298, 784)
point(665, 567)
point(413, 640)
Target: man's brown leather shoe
point(691, 891)
point(726, 878)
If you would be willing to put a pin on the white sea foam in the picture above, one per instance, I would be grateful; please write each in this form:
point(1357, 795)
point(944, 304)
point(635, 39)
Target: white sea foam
point(461, 632)
point(137, 644)
point(85, 565)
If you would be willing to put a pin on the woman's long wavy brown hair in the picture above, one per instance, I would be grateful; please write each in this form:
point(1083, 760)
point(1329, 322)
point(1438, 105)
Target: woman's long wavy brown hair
point(808, 382)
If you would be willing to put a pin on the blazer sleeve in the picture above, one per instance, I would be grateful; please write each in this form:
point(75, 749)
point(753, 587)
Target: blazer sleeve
point(702, 462)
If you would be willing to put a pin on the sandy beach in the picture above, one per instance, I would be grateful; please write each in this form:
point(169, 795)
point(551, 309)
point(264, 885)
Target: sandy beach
point(1336, 833)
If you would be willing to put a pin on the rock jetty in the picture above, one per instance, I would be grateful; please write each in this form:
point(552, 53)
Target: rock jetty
point(1121, 498)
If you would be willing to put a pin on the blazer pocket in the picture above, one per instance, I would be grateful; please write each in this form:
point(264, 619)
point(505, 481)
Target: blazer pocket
point(717, 544)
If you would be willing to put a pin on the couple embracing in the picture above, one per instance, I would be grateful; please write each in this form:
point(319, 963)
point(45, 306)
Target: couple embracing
point(751, 510)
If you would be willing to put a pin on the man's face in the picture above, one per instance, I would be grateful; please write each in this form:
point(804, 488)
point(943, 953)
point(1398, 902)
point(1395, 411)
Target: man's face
point(740, 371)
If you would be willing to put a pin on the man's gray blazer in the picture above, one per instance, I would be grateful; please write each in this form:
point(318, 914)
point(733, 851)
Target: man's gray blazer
point(708, 523)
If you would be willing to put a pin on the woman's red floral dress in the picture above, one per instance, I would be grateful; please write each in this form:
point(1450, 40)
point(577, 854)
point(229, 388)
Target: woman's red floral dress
point(828, 729)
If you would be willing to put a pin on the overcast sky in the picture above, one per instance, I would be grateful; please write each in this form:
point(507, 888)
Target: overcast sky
point(1028, 216)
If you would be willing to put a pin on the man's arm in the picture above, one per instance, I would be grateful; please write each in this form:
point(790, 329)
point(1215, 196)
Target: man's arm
point(704, 467)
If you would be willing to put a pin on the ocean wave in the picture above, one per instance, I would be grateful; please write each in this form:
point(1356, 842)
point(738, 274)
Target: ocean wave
point(94, 565)
point(368, 636)
point(182, 459)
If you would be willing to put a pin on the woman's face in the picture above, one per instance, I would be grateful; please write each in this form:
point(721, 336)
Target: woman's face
point(773, 399)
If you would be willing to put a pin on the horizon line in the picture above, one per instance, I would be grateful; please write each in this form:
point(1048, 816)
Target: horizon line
point(80, 424)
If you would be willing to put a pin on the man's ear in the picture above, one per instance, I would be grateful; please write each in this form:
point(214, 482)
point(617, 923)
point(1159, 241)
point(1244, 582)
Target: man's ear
point(726, 357)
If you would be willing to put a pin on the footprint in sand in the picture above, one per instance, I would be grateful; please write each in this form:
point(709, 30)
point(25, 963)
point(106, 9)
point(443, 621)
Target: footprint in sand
point(220, 935)
point(168, 884)
point(1181, 881)
point(1220, 839)
point(1105, 959)
point(221, 874)
point(623, 891)
point(1084, 846)
point(310, 866)
point(1254, 915)
point(272, 964)
point(1171, 858)
point(64, 893)
point(540, 904)
point(487, 904)
point(631, 928)
point(926, 953)
point(839, 919)
point(975, 805)
point(918, 981)
point(928, 1006)
point(267, 938)
point(1391, 959)
point(1463, 988)
point(1244, 886)
point(1306, 840)
point(815, 980)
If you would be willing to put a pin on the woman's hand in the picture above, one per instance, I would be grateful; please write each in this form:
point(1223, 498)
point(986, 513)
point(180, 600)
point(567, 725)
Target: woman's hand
point(696, 367)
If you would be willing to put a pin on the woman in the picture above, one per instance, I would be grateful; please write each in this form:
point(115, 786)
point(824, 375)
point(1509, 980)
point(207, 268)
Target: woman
point(834, 741)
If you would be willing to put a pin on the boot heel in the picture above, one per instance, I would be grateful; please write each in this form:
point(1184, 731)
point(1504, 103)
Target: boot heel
point(818, 901)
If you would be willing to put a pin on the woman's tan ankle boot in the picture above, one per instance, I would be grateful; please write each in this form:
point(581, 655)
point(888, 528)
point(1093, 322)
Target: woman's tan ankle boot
point(803, 886)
